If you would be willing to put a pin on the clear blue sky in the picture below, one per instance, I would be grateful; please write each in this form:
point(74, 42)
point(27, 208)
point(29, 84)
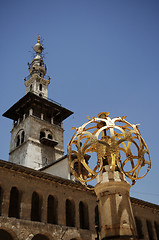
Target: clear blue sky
point(103, 55)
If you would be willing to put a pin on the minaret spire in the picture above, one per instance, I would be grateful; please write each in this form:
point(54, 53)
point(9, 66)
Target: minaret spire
point(38, 38)
point(38, 48)
point(37, 82)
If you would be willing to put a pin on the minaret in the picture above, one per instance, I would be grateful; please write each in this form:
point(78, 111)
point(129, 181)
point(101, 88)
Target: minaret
point(37, 133)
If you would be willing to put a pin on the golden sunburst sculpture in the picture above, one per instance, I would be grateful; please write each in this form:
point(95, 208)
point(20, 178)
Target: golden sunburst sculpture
point(110, 142)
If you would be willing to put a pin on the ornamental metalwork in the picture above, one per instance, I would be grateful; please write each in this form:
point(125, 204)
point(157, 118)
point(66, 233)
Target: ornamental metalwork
point(103, 141)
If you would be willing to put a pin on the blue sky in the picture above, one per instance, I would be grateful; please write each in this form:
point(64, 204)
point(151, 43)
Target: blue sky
point(102, 55)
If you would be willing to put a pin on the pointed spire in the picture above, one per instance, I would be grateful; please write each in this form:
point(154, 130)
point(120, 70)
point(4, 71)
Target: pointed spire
point(37, 81)
point(37, 66)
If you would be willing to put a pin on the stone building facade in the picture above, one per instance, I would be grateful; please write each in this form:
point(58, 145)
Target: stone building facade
point(39, 206)
point(38, 199)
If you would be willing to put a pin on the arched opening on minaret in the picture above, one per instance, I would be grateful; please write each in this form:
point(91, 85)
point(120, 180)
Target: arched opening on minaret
point(49, 136)
point(14, 203)
point(40, 87)
point(70, 213)
point(22, 137)
point(18, 141)
point(42, 134)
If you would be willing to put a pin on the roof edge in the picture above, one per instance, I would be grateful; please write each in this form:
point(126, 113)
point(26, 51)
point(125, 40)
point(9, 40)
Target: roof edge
point(51, 164)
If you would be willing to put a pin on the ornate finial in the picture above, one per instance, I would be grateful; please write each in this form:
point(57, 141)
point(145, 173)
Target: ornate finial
point(38, 47)
point(103, 114)
point(117, 143)
point(38, 39)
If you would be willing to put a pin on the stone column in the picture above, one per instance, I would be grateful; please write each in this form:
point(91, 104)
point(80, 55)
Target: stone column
point(26, 205)
point(61, 211)
point(116, 218)
point(44, 209)
point(77, 222)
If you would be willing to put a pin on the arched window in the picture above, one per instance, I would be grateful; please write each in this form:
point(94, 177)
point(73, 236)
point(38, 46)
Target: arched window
point(14, 203)
point(35, 207)
point(52, 210)
point(22, 137)
point(139, 228)
point(31, 88)
point(18, 141)
point(40, 237)
point(83, 215)
point(150, 229)
point(42, 134)
point(40, 87)
point(70, 213)
point(0, 201)
point(157, 229)
point(49, 136)
point(4, 235)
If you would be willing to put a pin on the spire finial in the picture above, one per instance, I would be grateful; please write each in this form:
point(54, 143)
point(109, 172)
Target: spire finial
point(38, 47)
point(38, 38)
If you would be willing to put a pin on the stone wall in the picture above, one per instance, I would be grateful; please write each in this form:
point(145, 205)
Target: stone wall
point(25, 217)
point(32, 153)
point(26, 182)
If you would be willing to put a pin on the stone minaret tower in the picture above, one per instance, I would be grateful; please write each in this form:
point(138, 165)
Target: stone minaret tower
point(37, 133)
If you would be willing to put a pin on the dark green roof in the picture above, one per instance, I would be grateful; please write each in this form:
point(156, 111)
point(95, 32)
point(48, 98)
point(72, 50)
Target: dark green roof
point(30, 100)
